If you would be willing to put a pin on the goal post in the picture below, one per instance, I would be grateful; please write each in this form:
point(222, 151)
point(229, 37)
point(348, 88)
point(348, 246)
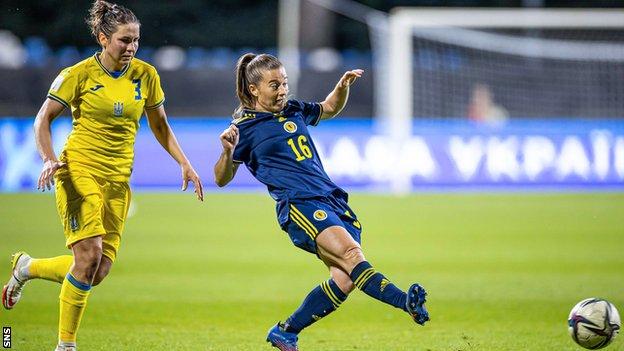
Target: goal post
point(539, 63)
point(405, 22)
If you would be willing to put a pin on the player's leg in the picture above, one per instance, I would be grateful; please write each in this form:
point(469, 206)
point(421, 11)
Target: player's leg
point(103, 270)
point(94, 256)
point(80, 203)
point(321, 301)
point(116, 204)
point(24, 268)
point(76, 287)
point(336, 245)
point(325, 298)
point(53, 269)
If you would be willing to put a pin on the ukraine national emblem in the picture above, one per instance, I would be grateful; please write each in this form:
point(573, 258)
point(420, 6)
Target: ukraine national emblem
point(118, 109)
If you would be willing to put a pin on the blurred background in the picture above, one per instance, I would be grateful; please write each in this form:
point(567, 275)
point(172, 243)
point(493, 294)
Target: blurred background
point(530, 97)
point(519, 103)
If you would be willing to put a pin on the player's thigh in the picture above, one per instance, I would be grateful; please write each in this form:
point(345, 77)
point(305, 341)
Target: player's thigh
point(337, 247)
point(306, 219)
point(116, 204)
point(79, 202)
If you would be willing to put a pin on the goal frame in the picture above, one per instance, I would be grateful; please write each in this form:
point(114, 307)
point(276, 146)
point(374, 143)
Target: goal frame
point(403, 20)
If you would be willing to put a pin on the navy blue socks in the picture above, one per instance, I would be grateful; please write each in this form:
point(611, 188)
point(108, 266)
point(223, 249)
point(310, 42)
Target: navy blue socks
point(374, 284)
point(320, 302)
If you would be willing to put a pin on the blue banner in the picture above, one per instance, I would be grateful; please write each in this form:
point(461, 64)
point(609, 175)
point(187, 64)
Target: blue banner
point(441, 154)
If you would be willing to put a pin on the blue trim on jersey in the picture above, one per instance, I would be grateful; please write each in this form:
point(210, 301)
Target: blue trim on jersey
point(77, 284)
point(114, 74)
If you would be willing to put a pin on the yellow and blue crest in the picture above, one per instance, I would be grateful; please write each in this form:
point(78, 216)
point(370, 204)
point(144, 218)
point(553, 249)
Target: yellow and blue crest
point(320, 215)
point(118, 109)
point(290, 127)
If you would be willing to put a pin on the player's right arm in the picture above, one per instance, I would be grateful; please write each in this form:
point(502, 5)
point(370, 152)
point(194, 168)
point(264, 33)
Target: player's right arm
point(43, 137)
point(225, 168)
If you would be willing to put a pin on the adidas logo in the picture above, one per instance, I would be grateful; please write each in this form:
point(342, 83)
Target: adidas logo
point(384, 283)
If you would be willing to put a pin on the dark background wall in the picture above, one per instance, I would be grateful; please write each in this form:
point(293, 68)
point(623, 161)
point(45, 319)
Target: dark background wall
point(231, 23)
point(213, 34)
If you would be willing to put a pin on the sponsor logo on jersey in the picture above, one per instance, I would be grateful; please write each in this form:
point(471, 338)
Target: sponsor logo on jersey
point(290, 127)
point(118, 109)
point(320, 215)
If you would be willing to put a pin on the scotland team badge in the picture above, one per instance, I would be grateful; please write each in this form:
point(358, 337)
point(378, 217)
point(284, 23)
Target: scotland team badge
point(320, 215)
point(290, 127)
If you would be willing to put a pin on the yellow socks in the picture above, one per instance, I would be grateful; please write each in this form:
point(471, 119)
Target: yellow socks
point(73, 300)
point(54, 269)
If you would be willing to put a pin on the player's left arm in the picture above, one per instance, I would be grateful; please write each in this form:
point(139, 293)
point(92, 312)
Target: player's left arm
point(157, 119)
point(337, 99)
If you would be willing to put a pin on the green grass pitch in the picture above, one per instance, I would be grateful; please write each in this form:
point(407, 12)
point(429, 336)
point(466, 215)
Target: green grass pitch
point(502, 272)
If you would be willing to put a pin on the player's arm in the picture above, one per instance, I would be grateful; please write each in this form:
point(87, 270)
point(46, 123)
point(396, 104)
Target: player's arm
point(43, 137)
point(225, 168)
point(337, 99)
point(157, 119)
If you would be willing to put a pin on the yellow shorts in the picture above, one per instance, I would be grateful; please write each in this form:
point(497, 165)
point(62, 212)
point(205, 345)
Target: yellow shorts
point(91, 206)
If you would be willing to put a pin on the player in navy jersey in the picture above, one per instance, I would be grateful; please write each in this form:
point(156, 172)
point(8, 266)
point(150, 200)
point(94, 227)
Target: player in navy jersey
point(270, 136)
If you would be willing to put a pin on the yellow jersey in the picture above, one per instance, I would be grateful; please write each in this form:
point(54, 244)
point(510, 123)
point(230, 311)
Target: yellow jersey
point(106, 108)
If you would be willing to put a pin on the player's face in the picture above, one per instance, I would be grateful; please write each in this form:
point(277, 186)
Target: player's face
point(124, 43)
point(272, 91)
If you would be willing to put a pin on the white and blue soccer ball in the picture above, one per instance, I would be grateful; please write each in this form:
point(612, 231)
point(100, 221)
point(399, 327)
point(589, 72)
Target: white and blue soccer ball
point(594, 323)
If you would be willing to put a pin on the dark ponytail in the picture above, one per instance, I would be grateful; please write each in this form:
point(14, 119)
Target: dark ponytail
point(249, 70)
point(105, 17)
point(242, 91)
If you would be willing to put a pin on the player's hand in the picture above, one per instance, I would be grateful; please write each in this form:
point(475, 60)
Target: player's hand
point(46, 179)
point(189, 174)
point(229, 138)
point(349, 77)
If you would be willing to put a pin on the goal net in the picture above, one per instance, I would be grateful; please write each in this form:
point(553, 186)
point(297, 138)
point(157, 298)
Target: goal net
point(495, 64)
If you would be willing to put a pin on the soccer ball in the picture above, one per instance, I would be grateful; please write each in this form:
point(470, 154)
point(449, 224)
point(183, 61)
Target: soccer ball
point(594, 323)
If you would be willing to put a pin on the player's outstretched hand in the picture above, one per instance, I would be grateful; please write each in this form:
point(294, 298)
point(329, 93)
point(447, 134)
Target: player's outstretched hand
point(229, 138)
point(189, 174)
point(349, 77)
point(46, 179)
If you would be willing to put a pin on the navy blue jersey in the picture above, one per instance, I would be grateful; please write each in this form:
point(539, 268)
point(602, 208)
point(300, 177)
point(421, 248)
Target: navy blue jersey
point(279, 152)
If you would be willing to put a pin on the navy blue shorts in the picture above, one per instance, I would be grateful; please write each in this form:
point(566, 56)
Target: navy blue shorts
point(304, 219)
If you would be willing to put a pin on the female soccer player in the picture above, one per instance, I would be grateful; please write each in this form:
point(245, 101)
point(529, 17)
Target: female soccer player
point(270, 136)
point(107, 94)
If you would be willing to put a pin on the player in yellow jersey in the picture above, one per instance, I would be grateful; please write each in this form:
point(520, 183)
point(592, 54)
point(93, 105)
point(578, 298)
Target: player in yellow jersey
point(107, 94)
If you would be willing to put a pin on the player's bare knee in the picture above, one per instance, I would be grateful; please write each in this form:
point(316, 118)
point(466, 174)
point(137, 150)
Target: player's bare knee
point(99, 276)
point(87, 261)
point(103, 270)
point(351, 257)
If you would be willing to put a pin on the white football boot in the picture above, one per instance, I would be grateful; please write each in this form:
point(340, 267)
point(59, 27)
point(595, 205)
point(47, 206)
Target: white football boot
point(12, 291)
point(65, 347)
